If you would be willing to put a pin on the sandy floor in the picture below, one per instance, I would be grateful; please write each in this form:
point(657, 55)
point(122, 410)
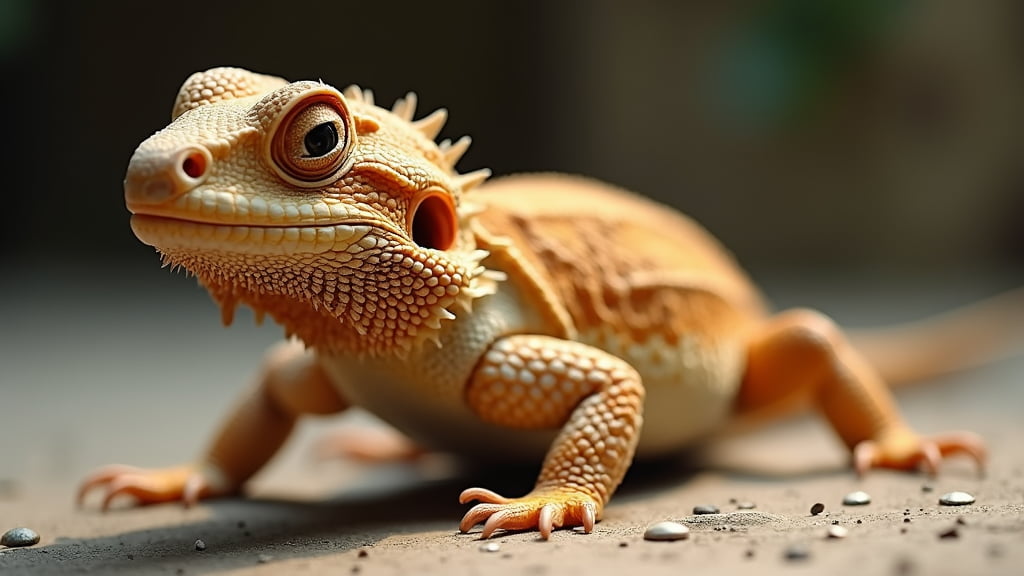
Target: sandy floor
point(115, 377)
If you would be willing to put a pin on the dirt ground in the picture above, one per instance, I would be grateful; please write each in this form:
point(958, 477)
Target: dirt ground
point(140, 374)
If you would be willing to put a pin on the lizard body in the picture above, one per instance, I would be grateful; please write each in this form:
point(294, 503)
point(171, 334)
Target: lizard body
point(534, 316)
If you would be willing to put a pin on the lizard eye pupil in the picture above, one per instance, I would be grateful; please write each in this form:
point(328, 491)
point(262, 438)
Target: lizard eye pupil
point(321, 140)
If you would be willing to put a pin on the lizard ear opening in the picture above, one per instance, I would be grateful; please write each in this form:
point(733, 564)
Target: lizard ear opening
point(433, 222)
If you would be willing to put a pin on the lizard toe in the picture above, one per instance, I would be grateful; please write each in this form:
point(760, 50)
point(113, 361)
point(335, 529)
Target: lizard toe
point(187, 484)
point(541, 510)
point(907, 451)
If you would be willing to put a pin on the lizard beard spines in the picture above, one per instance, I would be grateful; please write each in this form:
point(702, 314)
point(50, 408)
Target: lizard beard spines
point(389, 302)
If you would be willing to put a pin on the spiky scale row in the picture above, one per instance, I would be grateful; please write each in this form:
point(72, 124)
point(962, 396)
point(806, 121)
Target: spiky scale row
point(453, 152)
point(429, 126)
point(405, 108)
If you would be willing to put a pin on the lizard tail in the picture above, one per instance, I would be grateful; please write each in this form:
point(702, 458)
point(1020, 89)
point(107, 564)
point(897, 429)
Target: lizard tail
point(963, 338)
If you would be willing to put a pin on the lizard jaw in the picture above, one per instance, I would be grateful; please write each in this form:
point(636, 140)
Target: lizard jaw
point(173, 235)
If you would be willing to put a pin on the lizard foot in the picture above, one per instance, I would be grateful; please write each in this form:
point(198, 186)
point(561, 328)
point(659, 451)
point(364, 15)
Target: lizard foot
point(905, 451)
point(542, 509)
point(185, 483)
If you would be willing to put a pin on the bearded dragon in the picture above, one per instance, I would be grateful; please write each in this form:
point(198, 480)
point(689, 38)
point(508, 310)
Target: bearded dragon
point(537, 316)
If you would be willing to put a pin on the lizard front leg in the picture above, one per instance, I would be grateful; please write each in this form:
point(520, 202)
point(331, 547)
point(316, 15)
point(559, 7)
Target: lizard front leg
point(537, 382)
point(291, 383)
point(801, 354)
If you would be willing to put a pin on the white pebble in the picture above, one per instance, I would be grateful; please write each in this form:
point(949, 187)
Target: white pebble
point(666, 531)
point(835, 531)
point(858, 498)
point(956, 498)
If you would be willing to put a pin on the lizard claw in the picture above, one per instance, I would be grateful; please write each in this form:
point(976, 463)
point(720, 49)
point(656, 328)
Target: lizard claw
point(544, 510)
point(185, 483)
point(905, 451)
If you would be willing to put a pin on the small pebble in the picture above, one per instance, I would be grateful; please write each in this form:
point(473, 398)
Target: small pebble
point(858, 498)
point(200, 545)
point(666, 531)
point(836, 531)
point(705, 509)
point(490, 547)
point(623, 544)
point(906, 520)
point(18, 537)
point(797, 552)
point(362, 553)
point(817, 508)
point(927, 487)
point(956, 499)
point(749, 553)
point(960, 520)
point(951, 533)
point(746, 505)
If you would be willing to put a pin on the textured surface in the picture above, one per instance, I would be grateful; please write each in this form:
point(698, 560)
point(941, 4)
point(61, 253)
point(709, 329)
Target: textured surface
point(311, 517)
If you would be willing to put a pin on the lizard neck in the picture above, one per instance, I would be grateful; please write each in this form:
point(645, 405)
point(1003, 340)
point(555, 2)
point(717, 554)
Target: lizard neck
point(389, 309)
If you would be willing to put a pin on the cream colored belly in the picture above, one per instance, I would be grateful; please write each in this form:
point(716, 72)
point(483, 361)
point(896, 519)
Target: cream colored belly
point(424, 396)
point(691, 387)
point(690, 390)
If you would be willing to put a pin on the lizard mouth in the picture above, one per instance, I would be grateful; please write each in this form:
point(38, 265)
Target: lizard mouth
point(170, 234)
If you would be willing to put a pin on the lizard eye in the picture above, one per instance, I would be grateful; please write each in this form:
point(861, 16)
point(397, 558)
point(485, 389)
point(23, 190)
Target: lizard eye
point(310, 145)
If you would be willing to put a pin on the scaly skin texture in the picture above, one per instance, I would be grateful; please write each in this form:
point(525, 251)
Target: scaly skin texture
point(529, 315)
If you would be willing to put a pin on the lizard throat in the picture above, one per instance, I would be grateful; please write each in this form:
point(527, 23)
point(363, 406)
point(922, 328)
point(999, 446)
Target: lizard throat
point(383, 301)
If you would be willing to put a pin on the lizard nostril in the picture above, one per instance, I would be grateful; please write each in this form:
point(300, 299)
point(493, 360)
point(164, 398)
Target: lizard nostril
point(194, 165)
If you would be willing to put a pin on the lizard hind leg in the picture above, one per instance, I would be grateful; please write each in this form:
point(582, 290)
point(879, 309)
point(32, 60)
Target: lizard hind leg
point(802, 355)
point(369, 443)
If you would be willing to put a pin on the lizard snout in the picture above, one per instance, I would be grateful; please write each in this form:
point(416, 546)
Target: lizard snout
point(154, 179)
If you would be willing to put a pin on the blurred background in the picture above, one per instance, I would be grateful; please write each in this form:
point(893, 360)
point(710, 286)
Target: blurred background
point(870, 135)
point(860, 156)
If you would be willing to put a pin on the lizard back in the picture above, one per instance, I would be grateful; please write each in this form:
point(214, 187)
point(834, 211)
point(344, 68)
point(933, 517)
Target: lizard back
point(636, 279)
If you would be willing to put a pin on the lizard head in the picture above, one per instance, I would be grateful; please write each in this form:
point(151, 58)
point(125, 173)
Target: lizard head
point(342, 220)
